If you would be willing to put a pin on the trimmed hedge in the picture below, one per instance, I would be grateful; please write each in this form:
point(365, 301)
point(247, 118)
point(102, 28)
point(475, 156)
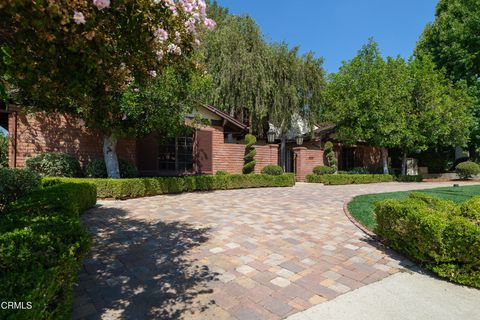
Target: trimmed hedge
point(437, 233)
point(42, 244)
point(15, 183)
point(320, 170)
point(272, 169)
point(143, 187)
point(341, 179)
point(403, 178)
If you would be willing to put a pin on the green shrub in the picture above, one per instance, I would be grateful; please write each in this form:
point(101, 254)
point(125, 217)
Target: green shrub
point(222, 173)
point(436, 203)
point(54, 164)
point(358, 170)
point(15, 183)
point(250, 153)
point(432, 232)
point(404, 178)
point(272, 169)
point(330, 155)
point(97, 169)
point(42, 244)
point(141, 187)
point(3, 151)
point(467, 170)
point(319, 170)
point(471, 210)
point(341, 179)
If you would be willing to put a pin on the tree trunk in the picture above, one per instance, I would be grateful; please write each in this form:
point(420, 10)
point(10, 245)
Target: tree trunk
point(385, 160)
point(110, 156)
point(404, 163)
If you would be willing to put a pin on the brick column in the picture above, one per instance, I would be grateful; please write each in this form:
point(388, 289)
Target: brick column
point(273, 154)
point(300, 158)
point(204, 151)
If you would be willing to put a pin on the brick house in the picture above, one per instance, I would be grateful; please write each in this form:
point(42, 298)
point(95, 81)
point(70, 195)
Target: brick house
point(218, 146)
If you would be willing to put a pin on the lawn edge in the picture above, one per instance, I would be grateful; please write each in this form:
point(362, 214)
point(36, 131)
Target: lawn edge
point(360, 226)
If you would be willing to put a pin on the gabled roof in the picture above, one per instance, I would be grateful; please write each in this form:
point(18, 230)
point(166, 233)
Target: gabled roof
point(225, 116)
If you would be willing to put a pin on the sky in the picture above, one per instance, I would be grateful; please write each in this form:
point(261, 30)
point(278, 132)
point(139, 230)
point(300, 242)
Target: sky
point(336, 29)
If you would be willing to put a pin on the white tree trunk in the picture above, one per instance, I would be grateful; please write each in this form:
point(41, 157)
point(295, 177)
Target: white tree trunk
point(385, 160)
point(110, 156)
point(404, 164)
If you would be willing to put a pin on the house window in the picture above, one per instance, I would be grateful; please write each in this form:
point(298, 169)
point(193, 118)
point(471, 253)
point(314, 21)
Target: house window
point(176, 155)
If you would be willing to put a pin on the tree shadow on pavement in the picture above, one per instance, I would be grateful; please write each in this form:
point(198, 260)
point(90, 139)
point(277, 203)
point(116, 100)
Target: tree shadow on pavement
point(139, 269)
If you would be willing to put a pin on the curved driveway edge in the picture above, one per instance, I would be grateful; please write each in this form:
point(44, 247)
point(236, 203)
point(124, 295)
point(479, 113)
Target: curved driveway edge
point(239, 254)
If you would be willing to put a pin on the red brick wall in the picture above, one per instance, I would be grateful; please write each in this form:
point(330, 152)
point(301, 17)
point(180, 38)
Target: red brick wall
point(213, 154)
point(305, 161)
point(39, 132)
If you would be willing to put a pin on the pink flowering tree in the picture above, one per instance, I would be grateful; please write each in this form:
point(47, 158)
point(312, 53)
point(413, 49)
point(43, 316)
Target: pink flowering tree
point(82, 56)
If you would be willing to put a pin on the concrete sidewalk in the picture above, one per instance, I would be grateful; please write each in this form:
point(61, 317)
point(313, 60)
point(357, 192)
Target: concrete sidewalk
point(401, 296)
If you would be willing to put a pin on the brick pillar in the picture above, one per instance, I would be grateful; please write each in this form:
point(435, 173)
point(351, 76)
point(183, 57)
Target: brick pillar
point(204, 151)
point(300, 158)
point(273, 154)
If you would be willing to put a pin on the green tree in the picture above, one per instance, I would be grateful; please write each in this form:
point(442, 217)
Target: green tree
point(86, 57)
point(362, 100)
point(235, 56)
point(452, 42)
point(437, 111)
point(393, 103)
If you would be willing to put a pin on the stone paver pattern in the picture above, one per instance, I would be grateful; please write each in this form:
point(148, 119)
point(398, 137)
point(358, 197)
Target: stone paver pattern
point(240, 254)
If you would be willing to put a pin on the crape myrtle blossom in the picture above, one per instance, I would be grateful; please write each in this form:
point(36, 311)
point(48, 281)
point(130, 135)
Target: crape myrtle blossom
point(209, 23)
point(173, 48)
point(161, 35)
point(79, 18)
point(101, 4)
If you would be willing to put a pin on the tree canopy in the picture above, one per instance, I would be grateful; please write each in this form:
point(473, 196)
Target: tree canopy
point(271, 81)
point(453, 44)
point(392, 103)
point(87, 57)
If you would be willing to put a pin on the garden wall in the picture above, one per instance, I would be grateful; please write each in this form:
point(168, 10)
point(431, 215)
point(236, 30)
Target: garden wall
point(213, 154)
point(55, 132)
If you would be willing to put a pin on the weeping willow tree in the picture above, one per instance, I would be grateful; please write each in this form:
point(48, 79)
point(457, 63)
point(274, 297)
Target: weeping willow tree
point(235, 56)
point(274, 83)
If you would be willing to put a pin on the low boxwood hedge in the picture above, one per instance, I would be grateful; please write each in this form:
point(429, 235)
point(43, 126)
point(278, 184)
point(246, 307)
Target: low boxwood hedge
point(439, 234)
point(42, 243)
point(341, 179)
point(142, 187)
point(403, 178)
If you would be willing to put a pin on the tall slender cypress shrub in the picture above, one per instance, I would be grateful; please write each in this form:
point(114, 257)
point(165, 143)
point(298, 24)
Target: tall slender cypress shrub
point(250, 153)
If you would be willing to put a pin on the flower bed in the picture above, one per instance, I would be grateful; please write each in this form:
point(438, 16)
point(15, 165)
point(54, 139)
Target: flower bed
point(143, 187)
point(42, 243)
point(441, 235)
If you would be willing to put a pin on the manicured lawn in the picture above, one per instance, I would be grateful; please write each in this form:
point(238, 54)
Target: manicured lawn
point(362, 207)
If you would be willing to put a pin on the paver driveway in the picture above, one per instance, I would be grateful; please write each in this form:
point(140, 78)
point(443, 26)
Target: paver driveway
point(240, 254)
